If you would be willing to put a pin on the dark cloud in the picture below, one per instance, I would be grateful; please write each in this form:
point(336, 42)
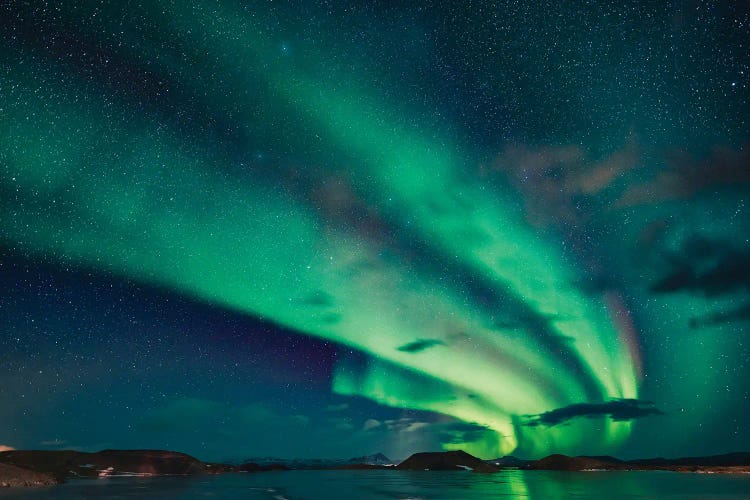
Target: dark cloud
point(337, 407)
point(443, 432)
point(341, 204)
point(652, 233)
point(557, 182)
point(687, 176)
point(420, 345)
point(403, 424)
point(460, 432)
point(318, 298)
point(619, 410)
point(331, 318)
point(738, 314)
point(708, 266)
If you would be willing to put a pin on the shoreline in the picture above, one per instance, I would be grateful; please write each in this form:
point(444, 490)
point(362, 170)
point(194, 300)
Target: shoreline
point(39, 468)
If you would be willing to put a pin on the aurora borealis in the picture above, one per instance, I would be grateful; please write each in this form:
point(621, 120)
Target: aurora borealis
point(310, 229)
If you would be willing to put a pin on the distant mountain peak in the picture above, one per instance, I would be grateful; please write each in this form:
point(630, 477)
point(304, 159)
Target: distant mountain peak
point(374, 459)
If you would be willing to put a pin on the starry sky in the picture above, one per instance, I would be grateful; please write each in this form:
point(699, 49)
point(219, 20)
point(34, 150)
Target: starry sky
point(325, 229)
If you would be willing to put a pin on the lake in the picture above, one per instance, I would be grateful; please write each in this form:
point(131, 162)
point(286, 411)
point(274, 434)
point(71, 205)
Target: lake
point(362, 484)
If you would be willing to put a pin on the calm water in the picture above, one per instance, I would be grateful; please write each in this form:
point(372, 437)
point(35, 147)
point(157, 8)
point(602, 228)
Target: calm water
point(413, 485)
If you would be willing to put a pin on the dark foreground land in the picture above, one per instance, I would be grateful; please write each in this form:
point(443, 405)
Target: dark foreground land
point(727, 463)
point(43, 468)
point(10, 475)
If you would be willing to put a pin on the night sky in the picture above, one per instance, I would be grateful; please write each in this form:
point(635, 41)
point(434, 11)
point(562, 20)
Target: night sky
point(326, 229)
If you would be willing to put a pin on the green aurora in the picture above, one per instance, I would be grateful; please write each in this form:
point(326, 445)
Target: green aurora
point(502, 325)
point(126, 197)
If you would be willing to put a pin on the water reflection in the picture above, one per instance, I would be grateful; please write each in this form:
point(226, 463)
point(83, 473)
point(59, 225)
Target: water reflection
point(402, 485)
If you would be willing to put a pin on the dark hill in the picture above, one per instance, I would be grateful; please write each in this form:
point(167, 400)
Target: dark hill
point(55, 463)
point(730, 462)
point(12, 476)
point(446, 460)
point(68, 463)
point(725, 460)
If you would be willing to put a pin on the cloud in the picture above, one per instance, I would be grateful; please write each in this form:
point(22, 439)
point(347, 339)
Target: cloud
point(336, 199)
point(461, 432)
point(707, 266)
point(398, 424)
point(558, 183)
point(619, 410)
point(371, 423)
point(415, 426)
point(318, 298)
point(4, 447)
point(687, 176)
point(452, 432)
point(420, 345)
point(405, 425)
point(338, 407)
point(598, 176)
point(741, 313)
